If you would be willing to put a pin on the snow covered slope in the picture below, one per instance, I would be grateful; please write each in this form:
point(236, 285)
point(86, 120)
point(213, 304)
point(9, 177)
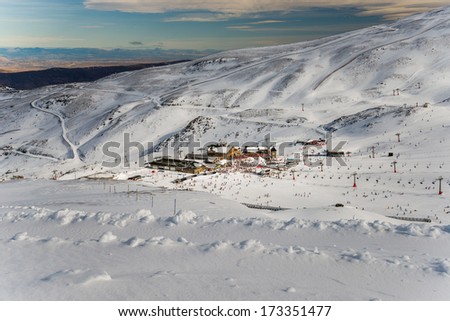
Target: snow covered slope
point(89, 240)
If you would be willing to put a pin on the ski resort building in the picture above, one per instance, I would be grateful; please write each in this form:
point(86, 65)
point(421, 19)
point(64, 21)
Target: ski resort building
point(177, 165)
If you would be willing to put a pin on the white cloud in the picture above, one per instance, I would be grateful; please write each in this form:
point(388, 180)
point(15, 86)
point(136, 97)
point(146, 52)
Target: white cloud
point(245, 28)
point(263, 22)
point(387, 8)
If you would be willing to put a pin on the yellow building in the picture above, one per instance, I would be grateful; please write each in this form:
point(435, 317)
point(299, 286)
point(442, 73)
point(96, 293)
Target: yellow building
point(234, 152)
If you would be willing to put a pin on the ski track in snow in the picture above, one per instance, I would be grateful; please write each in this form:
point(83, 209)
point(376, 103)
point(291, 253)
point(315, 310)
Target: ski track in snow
point(329, 75)
point(167, 95)
point(28, 154)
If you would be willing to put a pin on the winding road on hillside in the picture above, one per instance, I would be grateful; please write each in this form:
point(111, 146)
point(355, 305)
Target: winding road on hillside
point(72, 146)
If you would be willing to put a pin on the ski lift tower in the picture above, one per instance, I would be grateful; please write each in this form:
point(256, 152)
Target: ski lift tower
point(440, 185)
point(395, 166)
point(354, 179)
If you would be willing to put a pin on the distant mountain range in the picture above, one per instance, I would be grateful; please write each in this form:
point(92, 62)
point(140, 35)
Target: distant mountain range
point(95, 54)
point(55, 76)
point(27, 59)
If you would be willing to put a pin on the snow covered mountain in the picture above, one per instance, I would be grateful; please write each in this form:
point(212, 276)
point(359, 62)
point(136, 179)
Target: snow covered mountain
point(382, 90)
point(240, 94)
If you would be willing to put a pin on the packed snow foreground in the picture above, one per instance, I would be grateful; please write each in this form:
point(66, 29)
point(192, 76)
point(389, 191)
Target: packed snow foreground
point(346, 199)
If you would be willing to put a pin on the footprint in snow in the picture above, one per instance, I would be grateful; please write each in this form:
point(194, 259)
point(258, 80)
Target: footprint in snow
point(161, 274)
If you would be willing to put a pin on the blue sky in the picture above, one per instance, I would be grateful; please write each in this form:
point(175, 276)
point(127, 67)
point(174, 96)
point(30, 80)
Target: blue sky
point(196, 24)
